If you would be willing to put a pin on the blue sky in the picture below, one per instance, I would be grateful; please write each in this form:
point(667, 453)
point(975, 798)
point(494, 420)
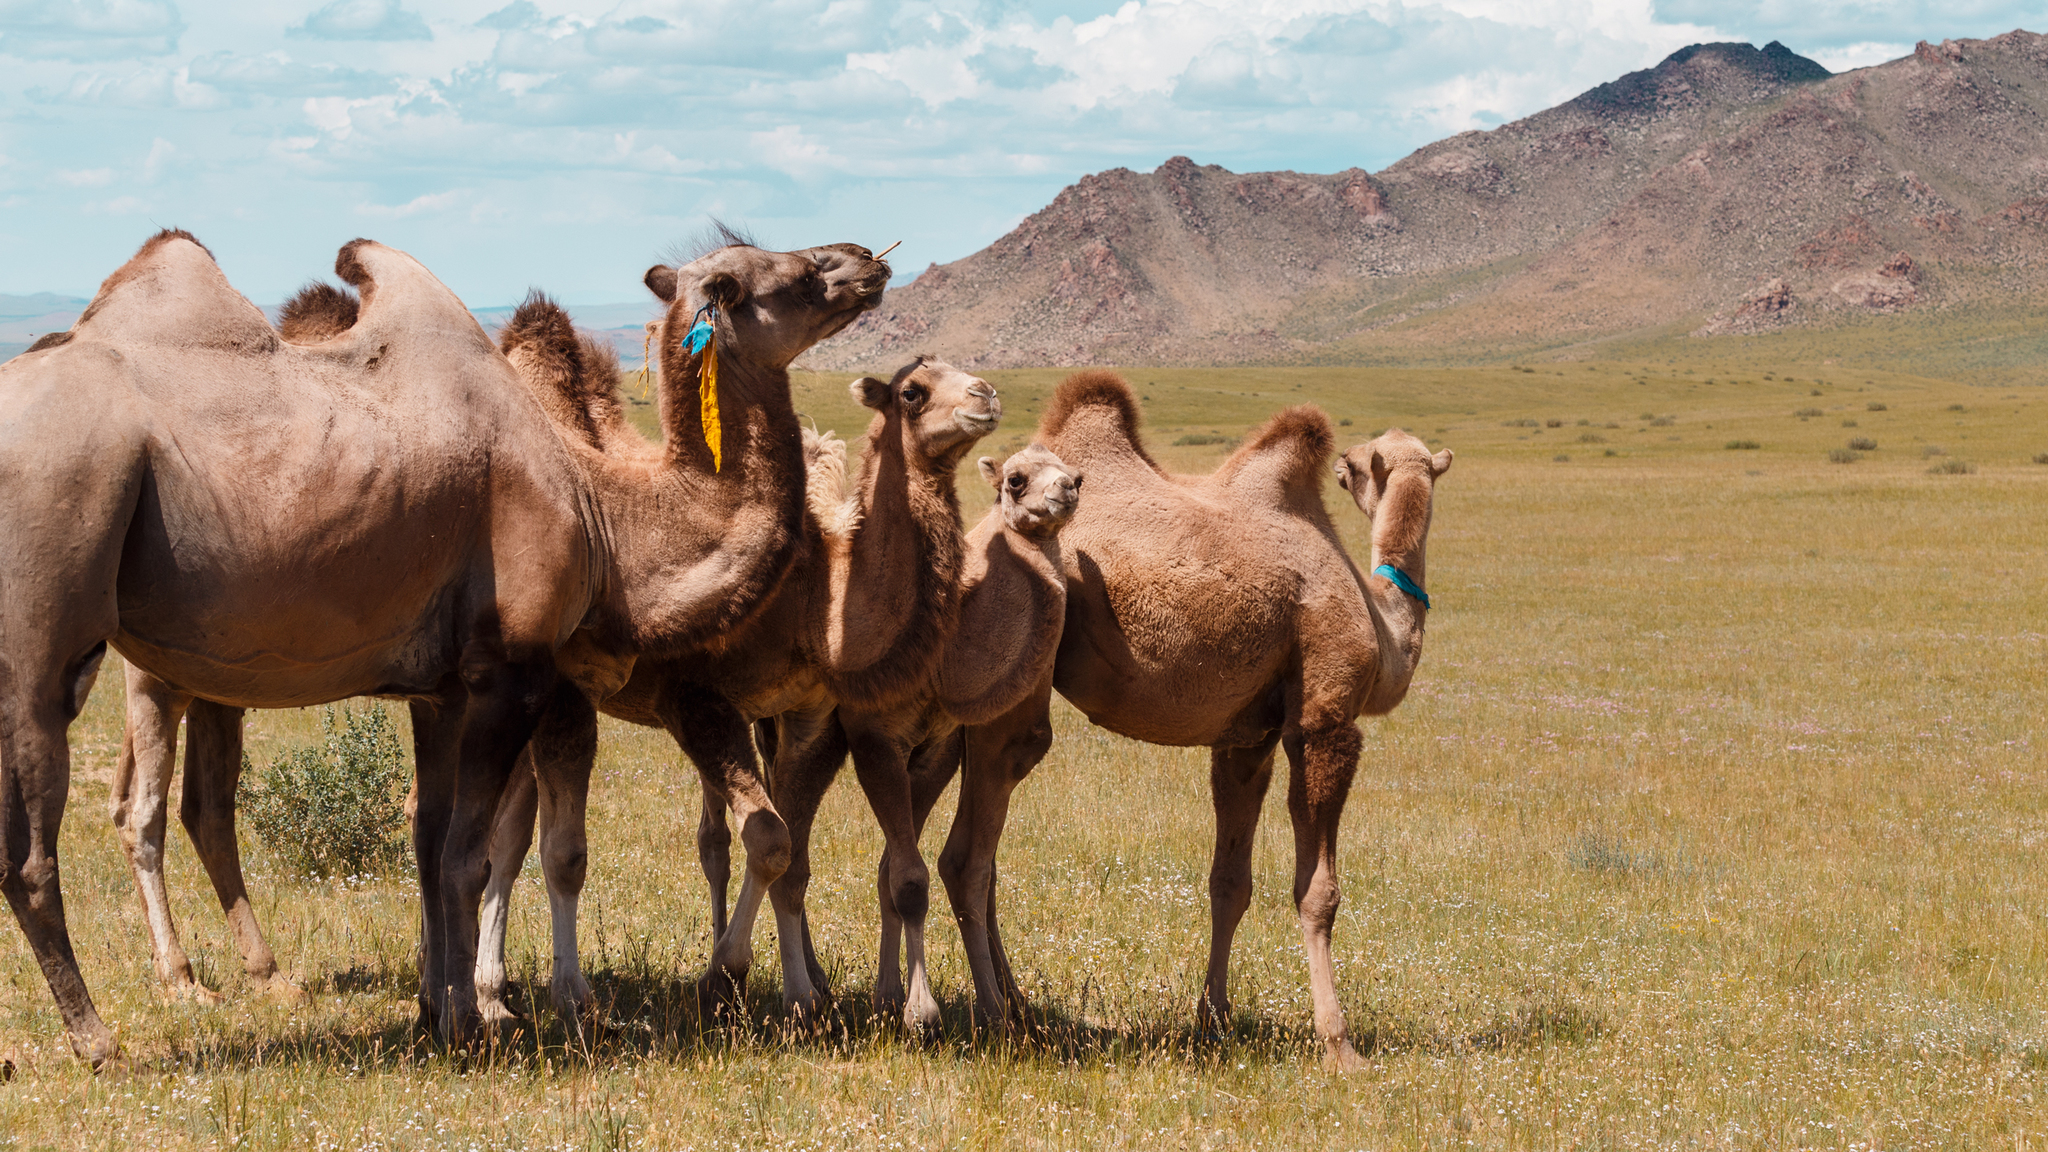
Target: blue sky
point(565, 143)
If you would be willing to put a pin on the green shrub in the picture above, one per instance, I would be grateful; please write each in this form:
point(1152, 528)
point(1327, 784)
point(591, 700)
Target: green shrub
point(336, 809)
point(2041, 457)
point(1933, 450)
point(1561, 459)
point(1524, 422)
point(1843, 456)
point(1805, 413)
point(1743, 445)
point(1862, 444)
point(1957, 408)
point(1203, 438)
point(1553, 422)
point(1344, 423)
point(1953, 468)
point(1875, 406)
point(1663, 422)
point(1592, 438)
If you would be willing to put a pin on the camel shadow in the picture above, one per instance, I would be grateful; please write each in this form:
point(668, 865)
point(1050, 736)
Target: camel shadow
point(648, 1012)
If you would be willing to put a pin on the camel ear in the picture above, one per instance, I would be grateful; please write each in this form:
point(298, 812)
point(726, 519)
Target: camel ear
point(723, 289)
point(1440, 463)
point(990, 472)
point(872, 393)
point(661, 280)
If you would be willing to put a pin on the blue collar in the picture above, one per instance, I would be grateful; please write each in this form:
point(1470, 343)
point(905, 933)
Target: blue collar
point(1402, 582)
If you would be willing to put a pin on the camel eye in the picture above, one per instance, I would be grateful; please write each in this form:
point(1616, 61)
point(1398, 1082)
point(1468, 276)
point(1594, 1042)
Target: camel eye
point(913, 395)
point(1017, 484)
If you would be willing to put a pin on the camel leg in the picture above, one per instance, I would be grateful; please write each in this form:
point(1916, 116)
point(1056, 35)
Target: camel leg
point(1238, 778)
point(997, 757)
point(510, 840)
point(41, 693)
point(436, 741)
point(1317, 786)
point(933, 765)
point(808, 752)
point(717, 740)
point(714, 852)
point(213, 772)
point(508, 698)
point(881, 764)
point(142, 782)
point(564, 751)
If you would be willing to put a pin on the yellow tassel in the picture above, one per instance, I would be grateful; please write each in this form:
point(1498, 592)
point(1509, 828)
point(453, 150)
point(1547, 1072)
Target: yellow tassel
point(707, 401)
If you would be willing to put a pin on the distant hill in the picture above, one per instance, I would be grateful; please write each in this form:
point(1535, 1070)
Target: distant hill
point(1729, 189)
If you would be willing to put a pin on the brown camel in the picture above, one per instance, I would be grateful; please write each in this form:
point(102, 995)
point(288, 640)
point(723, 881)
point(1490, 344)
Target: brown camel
point(863, 615)
point(433, 536)
point(1216, 610)
point(1012, 611)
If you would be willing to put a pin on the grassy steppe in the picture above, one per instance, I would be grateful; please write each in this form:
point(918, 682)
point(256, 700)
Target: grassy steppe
point(1714, 819)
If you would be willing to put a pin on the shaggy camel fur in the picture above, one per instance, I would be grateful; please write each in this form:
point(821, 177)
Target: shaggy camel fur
point(1012, 610)
point(236, 464)
point(1215, 610)
point(863, 616)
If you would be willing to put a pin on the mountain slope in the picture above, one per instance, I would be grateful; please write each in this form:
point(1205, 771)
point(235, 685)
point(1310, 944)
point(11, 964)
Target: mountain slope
point(1728, 189)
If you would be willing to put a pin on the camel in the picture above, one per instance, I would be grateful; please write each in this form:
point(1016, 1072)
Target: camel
point(1216, 610)
point(262, 524)
point(863, 615)
point(1012, 611)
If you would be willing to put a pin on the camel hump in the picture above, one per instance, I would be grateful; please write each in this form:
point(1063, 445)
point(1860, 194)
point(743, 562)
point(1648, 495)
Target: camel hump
point(1093, 408)
point(575, 376)
point(399, 295)
point(1287, 457)
point(171, 292)
point(317, 313)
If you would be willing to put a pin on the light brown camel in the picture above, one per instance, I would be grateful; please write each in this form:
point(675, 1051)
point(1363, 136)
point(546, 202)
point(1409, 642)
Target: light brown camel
point(1012, 611)
point(384, 513)
point(1216, 610)
point(863, 615)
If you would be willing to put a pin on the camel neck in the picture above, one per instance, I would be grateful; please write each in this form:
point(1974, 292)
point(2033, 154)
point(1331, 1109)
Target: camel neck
point(699, 548)
point(895, 591)
point(1400, 533)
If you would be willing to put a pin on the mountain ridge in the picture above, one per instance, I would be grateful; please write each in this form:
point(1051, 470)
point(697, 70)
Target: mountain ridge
point(1728, 189)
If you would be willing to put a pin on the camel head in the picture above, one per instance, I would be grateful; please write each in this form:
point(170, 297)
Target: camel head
point(772, 305)
point(1037, 490)
point(938, 410)
point(1393, 459)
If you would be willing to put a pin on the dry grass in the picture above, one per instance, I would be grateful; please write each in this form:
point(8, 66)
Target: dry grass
point(1714, 820)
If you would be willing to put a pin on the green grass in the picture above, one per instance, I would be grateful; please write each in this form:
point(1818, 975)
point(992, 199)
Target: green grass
point(1714, 818)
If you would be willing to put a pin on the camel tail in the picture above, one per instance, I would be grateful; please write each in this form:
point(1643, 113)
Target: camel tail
point(1096, 390)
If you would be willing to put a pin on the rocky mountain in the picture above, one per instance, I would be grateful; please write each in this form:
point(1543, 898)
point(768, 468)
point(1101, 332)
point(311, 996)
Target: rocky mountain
point(1727, 189)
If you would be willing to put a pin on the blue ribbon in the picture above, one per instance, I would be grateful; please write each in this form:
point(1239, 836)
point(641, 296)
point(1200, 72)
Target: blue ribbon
point(701, 331)
point(1402, 582)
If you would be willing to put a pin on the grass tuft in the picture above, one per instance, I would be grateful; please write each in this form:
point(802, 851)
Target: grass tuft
point(1743, 446)
point(1953, 468)
point(1843, 456)
point(1862, 444)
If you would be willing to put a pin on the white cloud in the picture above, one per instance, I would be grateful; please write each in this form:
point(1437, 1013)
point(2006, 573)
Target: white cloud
point(1863, 55)
point(418, 205)
point(584, 134)
point(362, 20)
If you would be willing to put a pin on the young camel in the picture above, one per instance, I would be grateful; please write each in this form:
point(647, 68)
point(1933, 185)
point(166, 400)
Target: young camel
point(1012, 611)
point(685, 550)
point(863, 615)
point(1216, 610)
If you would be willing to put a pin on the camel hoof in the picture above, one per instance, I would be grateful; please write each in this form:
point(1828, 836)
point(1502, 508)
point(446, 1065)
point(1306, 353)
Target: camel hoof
point(889, 1002)
point(1212, 1019)
point(924, 1021)
point(283, 991)
point(805, 1011)
point(101, 1052)
point(721, 994)
point(1340, 1056)
point(496, 1012)
point(193, 992)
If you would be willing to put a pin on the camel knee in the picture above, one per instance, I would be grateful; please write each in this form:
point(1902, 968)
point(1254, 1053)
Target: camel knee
point(1318, 902)
point(566, 868)
point(767, 841)
point(1230, 892)
point(910, 890)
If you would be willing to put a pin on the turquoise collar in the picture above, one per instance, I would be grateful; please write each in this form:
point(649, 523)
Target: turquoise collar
point(1402, 582)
